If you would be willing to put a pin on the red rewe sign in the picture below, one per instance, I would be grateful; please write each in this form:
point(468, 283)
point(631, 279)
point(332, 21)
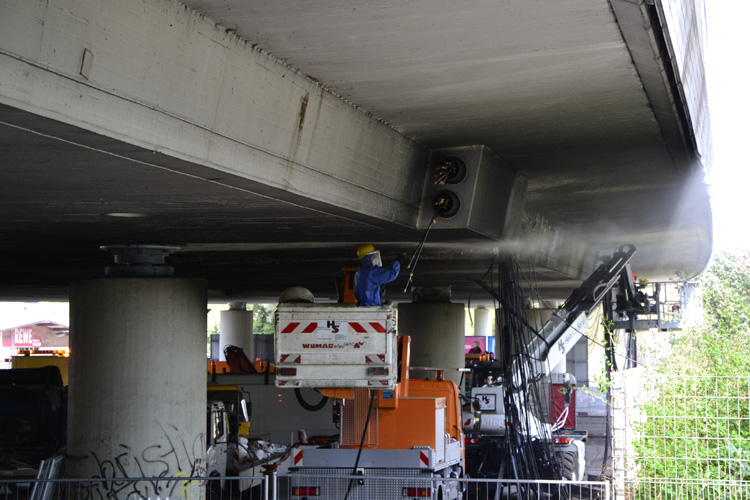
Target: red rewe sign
point(24, 337)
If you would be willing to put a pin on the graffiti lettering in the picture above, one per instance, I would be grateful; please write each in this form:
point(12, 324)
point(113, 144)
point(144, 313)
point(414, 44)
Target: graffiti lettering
point(135, 475)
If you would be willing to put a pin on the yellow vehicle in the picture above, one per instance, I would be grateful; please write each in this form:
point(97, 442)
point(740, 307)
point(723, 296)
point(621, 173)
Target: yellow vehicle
point(237, 404)
point(38, 358)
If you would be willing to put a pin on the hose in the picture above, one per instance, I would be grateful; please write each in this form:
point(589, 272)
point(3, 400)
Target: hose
point(361, 444)
point(307, 406)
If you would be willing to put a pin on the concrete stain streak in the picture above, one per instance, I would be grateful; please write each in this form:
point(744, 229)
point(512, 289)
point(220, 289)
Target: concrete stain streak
point(297, 136)
point(315, 123)
point(302, 111)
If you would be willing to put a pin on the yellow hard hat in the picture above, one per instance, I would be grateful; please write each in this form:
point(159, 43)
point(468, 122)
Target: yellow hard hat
point(364, 250)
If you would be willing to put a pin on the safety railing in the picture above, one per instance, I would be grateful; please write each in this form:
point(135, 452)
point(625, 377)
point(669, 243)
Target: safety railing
point(136, 488)
point(389, 486)
point(298, 487)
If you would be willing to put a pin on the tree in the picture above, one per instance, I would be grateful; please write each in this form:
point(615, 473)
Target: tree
point(263, 319)
point(726, 293)
point(696, 420)
point(211, 330)
point(721, 346)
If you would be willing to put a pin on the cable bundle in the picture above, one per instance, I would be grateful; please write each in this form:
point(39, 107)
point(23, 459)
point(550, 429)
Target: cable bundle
point(529, 443)
point(527, 449)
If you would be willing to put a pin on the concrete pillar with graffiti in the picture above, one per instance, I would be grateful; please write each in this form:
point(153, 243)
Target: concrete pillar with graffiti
point(137, 400)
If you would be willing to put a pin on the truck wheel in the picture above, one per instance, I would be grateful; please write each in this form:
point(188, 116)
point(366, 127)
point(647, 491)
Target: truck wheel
point(213, 491)
point(570, 465)
point(252, 493)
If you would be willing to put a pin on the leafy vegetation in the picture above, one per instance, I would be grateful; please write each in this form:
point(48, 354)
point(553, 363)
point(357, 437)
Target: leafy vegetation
point(726, 294)
point(263, 319)
point(721, 346)
point(696, 433)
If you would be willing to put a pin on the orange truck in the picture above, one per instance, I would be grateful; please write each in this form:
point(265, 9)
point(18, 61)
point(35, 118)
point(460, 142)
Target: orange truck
point(399, 437)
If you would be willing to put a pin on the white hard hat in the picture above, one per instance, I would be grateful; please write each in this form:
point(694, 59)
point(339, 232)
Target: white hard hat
point(296, 294)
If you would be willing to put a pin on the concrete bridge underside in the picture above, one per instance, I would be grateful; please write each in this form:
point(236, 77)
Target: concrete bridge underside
point(269, 140)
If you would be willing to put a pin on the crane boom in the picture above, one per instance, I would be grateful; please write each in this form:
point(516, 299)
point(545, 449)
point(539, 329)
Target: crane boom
point(567, 325)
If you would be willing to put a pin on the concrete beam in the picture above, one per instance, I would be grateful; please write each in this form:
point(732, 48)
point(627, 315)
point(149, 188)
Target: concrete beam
point(157, 75)
point(652, 60)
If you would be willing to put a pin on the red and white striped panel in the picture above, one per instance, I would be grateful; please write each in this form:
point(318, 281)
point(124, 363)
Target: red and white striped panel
point(296, 327)
point(297, 457)
point(424, 459)
point(311, 326)
point(289, 383)
point(284, 358)
point(371, 327)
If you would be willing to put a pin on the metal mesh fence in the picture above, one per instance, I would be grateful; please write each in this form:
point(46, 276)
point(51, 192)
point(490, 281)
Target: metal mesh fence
point(690, 438)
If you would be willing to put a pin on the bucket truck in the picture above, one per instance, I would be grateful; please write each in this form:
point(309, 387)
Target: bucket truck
point(390, 425)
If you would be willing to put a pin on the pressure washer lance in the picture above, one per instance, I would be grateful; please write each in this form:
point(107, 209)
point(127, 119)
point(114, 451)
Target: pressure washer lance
point(418, 251)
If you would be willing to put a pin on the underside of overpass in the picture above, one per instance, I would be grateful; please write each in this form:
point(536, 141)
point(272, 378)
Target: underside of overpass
point(267, 140)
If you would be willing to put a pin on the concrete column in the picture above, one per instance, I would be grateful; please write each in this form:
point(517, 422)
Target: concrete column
point(482, 324)
point(137, 400)
point(437, 336)
point(236, 328)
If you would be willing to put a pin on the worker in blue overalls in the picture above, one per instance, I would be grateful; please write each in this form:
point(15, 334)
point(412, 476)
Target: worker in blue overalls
point(371, 275)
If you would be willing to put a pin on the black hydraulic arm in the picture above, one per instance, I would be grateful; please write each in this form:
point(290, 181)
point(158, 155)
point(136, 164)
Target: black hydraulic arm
point(590, 294)
point(583, 300)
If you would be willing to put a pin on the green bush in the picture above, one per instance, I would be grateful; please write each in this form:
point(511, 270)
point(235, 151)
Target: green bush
point(697, 425)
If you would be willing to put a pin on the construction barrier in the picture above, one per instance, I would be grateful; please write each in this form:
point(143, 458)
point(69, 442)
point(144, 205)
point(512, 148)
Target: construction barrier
point(297, 487)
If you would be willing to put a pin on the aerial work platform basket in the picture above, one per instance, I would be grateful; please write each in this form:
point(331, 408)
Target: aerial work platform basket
point(335, 346)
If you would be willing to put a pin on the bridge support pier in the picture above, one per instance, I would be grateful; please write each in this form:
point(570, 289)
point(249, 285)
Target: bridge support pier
point(437, 336)
point(236, 328)
point(137, 391)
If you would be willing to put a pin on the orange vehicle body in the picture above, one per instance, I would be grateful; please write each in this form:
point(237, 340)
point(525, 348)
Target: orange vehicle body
point(411, 429)
point(405, 426)
point(401, 413)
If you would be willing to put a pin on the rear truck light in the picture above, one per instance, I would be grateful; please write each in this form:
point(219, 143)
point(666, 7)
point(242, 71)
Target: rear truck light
point(561, 440)
point(306, 491)
point(417, 492)
point(380, 371)
point(287, 372)
point(471, 440)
